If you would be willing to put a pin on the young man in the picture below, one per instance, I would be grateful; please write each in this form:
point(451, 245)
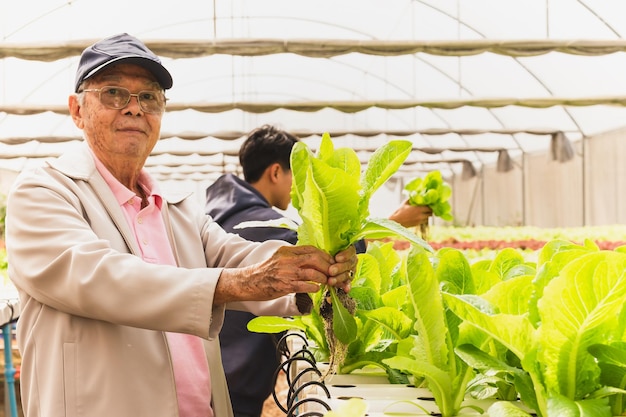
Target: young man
point(250, 359)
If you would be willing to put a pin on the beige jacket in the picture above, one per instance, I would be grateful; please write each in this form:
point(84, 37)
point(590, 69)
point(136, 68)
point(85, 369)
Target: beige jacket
point(93, 314)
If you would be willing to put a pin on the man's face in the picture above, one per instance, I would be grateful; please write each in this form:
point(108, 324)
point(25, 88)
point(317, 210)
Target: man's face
point(114, 134)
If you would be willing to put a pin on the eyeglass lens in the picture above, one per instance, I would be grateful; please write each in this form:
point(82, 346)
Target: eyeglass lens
point(119, 97)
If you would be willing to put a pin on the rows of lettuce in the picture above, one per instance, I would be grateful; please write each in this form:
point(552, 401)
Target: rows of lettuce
point(544, 336)
point(523, 238)
point(548, 331)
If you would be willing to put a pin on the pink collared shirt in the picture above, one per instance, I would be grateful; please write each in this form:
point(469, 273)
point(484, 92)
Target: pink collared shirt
point(191, 370)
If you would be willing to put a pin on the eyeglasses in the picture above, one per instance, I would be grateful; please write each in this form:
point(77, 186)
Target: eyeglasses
point(119, 97)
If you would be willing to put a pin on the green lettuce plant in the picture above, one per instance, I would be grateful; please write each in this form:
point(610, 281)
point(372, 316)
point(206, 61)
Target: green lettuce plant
point(574, 307)
point(508, 276)
point(332, 196)
point(432, 191)
point(430, 353)
point(383, 315)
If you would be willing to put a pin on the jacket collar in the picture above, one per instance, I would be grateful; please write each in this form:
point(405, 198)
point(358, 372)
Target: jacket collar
point(78, 163)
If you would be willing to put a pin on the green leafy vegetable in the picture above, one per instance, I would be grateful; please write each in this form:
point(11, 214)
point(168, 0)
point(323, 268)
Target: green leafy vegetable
point(442, 349)
point(431, 191)
point(612, 361)
point(383, 314)
point(429, 353)
point(578, 300)
point(332, 199)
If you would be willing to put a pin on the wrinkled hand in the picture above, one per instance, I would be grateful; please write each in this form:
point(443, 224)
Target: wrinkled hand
point(291, 269)
point(409, 216)
point(342, 272)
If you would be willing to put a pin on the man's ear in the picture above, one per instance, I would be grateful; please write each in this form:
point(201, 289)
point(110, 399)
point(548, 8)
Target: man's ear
point(74, 107)
point(274, 171)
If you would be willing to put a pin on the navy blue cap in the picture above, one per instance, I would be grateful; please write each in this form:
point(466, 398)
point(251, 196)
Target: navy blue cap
point(120, 48)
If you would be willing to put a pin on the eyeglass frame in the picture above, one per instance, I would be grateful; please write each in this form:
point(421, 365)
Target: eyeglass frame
point(130, 95)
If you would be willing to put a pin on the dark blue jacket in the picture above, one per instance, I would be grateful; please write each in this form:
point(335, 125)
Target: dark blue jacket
point(249, 359)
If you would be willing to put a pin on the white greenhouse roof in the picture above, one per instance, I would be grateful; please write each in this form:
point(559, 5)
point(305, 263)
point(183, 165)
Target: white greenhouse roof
point(464, 80)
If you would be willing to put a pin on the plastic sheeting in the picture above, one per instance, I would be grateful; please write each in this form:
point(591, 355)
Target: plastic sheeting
point(464, 80)
point(588, 190)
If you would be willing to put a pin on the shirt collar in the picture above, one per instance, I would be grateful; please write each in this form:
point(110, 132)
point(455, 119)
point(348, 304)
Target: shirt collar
point(122, 193)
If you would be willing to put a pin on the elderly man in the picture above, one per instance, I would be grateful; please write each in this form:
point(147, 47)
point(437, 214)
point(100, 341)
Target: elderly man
point(123, 288)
